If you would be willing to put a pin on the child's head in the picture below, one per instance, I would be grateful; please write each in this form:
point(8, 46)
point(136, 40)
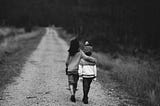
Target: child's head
point(74, 47)
point(88, 48)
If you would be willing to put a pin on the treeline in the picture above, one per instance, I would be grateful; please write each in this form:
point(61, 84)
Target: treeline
point(121, 25)
point(126, 26)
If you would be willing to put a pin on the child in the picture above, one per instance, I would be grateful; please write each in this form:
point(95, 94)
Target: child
point(88, 72)
point(72, 63)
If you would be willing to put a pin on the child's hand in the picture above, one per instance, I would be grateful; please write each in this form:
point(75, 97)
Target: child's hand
point(81, 78)
point(66, 70)
point(95, 79)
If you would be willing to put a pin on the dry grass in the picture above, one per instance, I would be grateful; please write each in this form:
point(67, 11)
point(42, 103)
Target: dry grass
point(63, 34)
point(140, 79)
point(13, 54)
point(103, 61)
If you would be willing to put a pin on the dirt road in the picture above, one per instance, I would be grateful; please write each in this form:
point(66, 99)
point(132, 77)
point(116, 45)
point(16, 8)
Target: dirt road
point(43, 81)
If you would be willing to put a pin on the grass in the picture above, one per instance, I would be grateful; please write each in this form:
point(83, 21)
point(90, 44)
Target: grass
point(140, 78)
point(14, 51)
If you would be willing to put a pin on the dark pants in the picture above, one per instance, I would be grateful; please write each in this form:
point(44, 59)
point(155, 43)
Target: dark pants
point(86, 87)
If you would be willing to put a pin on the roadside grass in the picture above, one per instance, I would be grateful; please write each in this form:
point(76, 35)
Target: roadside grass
point(13, 53)
point(103, 61)
point(139, 78)
point(63, 34)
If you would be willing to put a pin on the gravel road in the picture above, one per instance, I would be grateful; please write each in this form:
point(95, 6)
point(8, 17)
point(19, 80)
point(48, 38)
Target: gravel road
point(43, 81)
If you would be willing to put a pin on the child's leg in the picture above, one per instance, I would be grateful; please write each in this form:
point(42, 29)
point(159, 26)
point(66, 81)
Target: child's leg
point(68, 88)
point(72, 93)
point(86, 88)
point(89, 83)
point(73, 79)
point(71, 83)
point(71, 89)
point(76, 78)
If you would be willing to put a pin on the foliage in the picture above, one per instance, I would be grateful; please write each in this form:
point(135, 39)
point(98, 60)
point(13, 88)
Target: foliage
point(119, 25)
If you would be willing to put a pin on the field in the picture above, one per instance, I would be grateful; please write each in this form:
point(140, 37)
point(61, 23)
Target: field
point(140, 78)
point(14, 49)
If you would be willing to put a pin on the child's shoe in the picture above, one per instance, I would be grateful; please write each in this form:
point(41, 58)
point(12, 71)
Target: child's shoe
point(85, 100)
point(73, 98)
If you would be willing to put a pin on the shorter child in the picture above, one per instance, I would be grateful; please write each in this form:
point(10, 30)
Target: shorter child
point(88, 72)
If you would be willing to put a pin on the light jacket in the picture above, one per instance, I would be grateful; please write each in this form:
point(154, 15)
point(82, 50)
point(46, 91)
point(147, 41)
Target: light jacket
point(87, 70)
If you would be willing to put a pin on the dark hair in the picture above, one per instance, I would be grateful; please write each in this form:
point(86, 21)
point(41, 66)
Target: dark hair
point(88, 53)
point(74, 47)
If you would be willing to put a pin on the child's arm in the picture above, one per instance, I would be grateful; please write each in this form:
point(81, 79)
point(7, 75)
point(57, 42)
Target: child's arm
point(88, 63)
point(88, 58)
point(67, 63)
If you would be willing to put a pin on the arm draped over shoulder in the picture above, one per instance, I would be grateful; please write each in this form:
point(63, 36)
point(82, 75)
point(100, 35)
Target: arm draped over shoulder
point(88, 58)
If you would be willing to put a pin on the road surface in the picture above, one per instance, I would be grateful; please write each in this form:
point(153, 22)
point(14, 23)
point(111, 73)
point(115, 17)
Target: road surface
point(43, 81)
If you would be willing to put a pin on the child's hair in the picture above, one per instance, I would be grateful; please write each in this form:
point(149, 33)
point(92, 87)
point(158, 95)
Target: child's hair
point(74, 47)
point(88, 53)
